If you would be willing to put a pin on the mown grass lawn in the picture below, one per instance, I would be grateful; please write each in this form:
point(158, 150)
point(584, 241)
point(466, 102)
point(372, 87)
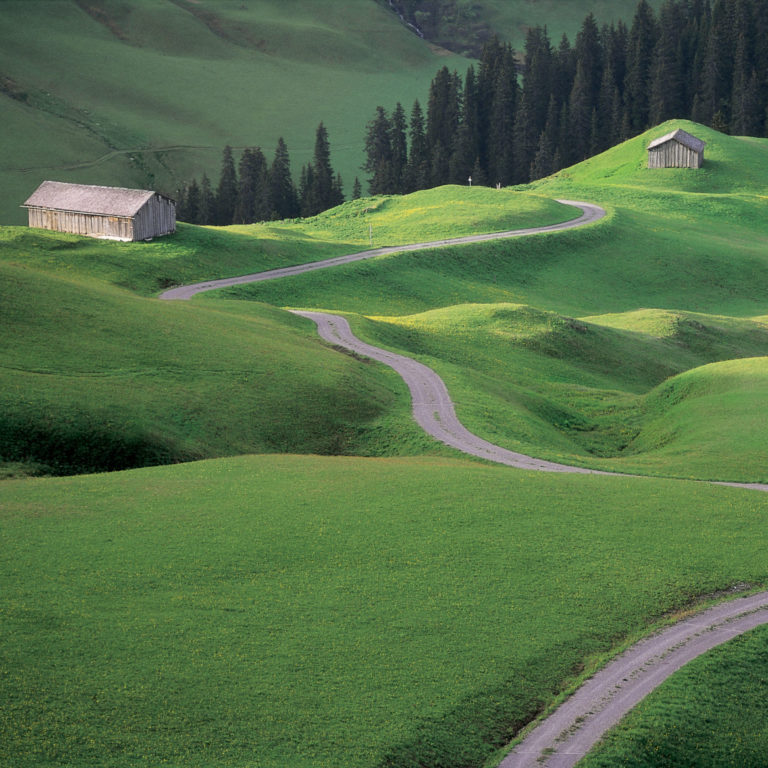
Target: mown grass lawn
point(330, 611)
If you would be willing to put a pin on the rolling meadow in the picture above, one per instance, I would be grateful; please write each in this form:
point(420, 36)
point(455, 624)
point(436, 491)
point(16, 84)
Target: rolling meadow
point(401, 605)
point(225, 542)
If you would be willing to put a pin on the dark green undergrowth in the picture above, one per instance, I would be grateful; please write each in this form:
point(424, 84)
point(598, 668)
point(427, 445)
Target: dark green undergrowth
point(332, 611)
point(710, 714)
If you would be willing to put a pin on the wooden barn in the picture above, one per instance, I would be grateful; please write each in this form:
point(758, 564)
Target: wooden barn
point(110, 212)
point(676, 150)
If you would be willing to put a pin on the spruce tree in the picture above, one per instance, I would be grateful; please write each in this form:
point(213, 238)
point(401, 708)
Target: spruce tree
point(665, 99)
point(442, 123)
point(378, 154)
point(642, 41)
point(192, 203)
point(501, 151)
point(357, 189)
point(283, 199)
point(399, 146)
point(580, 114)
point(417, 173)
point(226, 193)
point(207, 202)
point(324, 196)
point(253, 193)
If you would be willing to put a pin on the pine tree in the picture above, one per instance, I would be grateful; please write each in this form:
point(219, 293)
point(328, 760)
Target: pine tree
point(665, 100)
point(226, 193)
point(501, 150)
point(417, 173)
point(192, 203)
point(642, 41)
point(378, 152)
point(338, 191)
point(357, 189)
point(399, 145)
point(207, 202)
point(282, 191)
point(308, 204)
point(580, 113)
point(443, 111)
point(322, 196)
point(590, 56)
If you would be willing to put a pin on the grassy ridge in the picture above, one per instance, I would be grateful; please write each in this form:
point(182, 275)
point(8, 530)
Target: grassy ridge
point(344, 611)
point(528, 373)
point(711, 714)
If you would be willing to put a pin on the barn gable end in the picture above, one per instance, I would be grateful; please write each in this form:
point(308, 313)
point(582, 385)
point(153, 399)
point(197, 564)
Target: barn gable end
point(678, 149)
point(108, 212)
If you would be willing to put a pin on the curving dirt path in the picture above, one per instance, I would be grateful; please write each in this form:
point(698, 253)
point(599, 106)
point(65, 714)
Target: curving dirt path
point(565, 736)
point(589, 213)
point(432, 406)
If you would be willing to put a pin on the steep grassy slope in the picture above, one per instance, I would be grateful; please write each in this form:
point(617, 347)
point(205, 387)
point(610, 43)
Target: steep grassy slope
point(571, 390)
point(146, 93)
point(339, 612)
point(463, 26)
point(95, 378)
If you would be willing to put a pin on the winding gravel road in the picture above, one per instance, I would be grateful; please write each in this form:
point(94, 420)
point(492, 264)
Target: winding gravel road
point(565, 736)
point(589, 213)
point(432, 406)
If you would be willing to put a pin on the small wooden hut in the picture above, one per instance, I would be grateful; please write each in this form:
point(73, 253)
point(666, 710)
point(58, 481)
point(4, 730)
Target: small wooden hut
point(676, 150)
point(109, 212)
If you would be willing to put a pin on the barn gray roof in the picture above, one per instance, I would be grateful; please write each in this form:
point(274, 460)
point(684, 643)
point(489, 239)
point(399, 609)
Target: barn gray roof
point(681, 136)
point(88, 198)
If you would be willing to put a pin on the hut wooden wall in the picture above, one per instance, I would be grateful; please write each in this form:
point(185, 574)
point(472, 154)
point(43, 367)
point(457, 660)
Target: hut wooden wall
point(672, 154)
point(156, 217)
point(82, 223)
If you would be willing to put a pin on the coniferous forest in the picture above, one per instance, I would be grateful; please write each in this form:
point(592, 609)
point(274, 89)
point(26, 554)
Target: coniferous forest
point(255, 190)
point(510, 121)
point(514, 119)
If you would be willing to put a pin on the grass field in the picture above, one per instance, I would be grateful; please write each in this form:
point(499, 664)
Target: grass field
point(710, 714)
point(99, 379)
point(375, 612)
point(327, 611)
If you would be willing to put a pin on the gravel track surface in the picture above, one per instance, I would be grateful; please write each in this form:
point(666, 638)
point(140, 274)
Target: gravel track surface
point(432, 406)
point(565, 736)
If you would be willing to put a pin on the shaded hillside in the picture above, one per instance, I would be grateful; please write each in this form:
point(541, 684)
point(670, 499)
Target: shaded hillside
point(146, 94)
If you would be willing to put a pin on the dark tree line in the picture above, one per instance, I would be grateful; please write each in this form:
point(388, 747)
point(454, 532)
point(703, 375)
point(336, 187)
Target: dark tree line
point(507, 123)
point(255, 190)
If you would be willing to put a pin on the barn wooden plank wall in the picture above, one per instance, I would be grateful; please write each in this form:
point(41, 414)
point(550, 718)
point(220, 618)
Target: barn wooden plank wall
point(156, 217)
point(672, 154)
point(82, 223)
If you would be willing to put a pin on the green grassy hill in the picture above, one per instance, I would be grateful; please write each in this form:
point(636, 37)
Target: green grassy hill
point(375, 612)
point(146, 94)
point(725, 690)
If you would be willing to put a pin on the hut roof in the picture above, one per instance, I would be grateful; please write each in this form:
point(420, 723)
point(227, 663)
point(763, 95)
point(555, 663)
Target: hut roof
point(88, 198)
point(681, 136)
